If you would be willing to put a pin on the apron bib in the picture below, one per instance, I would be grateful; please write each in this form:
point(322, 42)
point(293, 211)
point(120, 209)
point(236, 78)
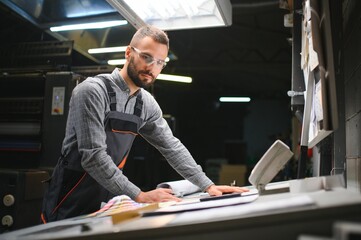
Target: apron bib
point(72, 191)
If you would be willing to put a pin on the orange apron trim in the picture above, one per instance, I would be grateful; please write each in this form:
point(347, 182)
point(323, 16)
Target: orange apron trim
point(122, 163)
point(125, 132)
point(56, 208)
point(43, 218)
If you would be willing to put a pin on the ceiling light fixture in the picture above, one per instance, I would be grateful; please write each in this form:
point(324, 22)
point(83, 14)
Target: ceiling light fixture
point(234, 99)
point(122, 61)
point(94, 25)
point(174, 78)
point(175, 14)
point(165, 77)
point(116, 62)
point(107, 50)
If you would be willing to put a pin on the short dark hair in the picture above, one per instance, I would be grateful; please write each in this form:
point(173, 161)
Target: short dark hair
point(155, 33)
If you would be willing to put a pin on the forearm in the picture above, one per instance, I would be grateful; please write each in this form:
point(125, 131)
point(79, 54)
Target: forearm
point(157, 132)
point(183, 162)
point(180, 159)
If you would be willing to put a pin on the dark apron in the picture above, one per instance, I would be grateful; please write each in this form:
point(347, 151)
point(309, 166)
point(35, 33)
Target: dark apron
point(72, 191)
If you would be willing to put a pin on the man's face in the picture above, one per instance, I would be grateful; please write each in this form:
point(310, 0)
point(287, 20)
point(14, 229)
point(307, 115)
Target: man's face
point(141, 78)
point(146, 62)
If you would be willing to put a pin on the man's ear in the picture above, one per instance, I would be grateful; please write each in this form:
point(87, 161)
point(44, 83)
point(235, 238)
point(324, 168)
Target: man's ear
point(128, 51)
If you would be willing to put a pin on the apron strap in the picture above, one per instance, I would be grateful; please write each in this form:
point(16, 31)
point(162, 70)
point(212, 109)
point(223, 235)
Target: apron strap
point(111, 93)
point(138, 105)
point(112, 96)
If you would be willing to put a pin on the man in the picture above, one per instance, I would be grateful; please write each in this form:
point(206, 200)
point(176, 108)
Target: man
point(106, 113)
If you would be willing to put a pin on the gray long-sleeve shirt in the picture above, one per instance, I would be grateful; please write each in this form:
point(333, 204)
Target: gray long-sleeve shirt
point(89, 105)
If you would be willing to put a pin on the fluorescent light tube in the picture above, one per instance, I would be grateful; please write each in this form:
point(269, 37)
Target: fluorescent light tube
point(234, 99)
point(174, 78)
point(95, 25)
point(116, 62)
point(122, 61)
point(107, 50)
point(165, 77)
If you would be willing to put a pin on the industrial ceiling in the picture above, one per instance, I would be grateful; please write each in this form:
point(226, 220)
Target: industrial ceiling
point(251, 57)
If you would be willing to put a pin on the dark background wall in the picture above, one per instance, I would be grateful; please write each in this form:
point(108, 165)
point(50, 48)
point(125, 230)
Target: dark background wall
point(205, 125)
point(352, 86)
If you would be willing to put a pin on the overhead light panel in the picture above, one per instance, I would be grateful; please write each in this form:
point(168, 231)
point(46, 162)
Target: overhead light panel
point(94, 25)
point(175, 14)
point(234, 99)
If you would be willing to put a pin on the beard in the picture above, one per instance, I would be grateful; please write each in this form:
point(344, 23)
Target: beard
point(134, 75)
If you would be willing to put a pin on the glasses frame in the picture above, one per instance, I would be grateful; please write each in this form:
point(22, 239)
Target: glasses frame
point(148, 59)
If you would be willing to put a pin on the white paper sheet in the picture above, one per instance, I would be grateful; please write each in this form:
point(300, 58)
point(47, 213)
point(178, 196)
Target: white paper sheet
point(180, 188)
point(196, 205)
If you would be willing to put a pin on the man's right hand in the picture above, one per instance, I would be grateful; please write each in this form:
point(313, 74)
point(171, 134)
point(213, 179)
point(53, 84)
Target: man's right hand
point(157, 195)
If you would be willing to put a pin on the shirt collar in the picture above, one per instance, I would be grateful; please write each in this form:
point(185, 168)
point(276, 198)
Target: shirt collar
point(118, 80)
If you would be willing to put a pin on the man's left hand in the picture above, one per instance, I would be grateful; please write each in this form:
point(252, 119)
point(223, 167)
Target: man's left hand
point(217, 190)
